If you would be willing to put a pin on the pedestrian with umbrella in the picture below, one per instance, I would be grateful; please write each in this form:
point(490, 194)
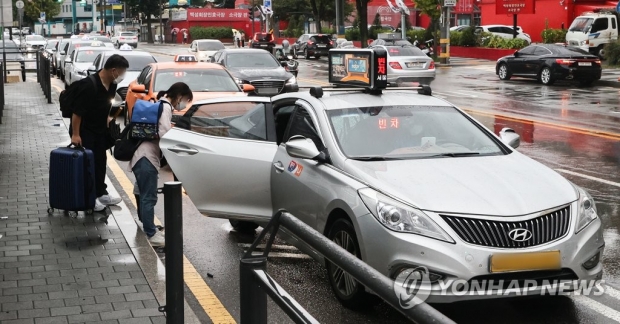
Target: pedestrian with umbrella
point(174, 35)
point(184, 35)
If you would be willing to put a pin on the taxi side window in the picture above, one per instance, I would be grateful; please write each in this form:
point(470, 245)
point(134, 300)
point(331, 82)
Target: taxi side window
point(142, 77)
point(148, 78)
point(301, 124)
point(240, 120)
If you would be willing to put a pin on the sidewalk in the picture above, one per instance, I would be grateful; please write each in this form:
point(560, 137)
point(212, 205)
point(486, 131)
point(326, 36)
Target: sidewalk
point(57, 269)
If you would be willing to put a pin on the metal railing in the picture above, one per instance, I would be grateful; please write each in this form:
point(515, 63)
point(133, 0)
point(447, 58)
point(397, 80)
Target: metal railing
point(1, 92)
point(44, 77)
point(256, 284)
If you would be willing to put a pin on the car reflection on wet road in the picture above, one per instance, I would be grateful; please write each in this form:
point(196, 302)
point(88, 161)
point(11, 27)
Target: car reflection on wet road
point(575, 131)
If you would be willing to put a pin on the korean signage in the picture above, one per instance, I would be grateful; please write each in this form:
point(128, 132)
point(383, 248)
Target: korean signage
point(515, 7)
point(217, 15)
point(180, 15)
point(359, 68)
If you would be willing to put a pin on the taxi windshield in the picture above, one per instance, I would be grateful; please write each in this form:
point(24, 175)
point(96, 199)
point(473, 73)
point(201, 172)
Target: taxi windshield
point(210, 46)
point(35, 38)
point(87, 56)
point(251, 60)
point(408, 132)
point(137, 62)
point(208, 80)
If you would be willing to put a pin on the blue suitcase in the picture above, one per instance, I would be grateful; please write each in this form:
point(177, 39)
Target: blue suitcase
point(72, 180)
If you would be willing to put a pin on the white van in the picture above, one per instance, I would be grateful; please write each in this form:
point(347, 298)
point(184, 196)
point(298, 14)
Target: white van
point(591, 31)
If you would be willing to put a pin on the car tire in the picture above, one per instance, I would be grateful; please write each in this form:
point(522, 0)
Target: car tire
point(503, 72)
point(546, 76)
point(601, 52)
point(317, 57)
point(306, 54)
point(243, 226)
point(351, 294)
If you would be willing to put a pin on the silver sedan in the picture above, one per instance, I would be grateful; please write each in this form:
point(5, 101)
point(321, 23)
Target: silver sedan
point(407, 63)
point(399, 179)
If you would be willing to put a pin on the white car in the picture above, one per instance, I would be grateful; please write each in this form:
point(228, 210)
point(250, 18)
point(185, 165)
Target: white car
point(130, 38)
point(205, 48)
point(78, 62)
point(504, 32)
point(35, 42)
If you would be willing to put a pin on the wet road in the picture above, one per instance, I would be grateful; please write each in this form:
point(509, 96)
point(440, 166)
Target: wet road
point(570, 129)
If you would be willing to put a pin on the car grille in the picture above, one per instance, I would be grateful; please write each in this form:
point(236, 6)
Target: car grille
point(544, 229)
point(122, 92)
point(573, 43)
point(268, 86)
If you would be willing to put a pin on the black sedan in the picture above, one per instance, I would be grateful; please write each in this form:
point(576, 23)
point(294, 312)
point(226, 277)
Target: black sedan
point(258, 68)
point(549, 62)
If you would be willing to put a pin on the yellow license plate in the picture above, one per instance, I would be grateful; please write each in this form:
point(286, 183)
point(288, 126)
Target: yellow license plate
point(507, 262)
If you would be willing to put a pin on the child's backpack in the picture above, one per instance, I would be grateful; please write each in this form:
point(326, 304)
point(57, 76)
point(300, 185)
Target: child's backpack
point(145, 120)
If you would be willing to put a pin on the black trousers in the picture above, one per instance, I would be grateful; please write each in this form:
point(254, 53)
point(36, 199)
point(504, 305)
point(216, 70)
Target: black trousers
point(97, 144)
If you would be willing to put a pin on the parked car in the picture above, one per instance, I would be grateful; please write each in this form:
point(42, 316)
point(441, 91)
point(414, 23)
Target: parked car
point(58, 56)
point(407, 63)
point(259, 69)
point(401, 180)
point(205, 48)
point(503, 31)
point(68, 49)
point(264, 41)
point(50, 48)
point(15, 61)
point(549, 62)
point(107, 42)
point(315, 45)
point(122, 38)
point(34, 42)
point(78, 62)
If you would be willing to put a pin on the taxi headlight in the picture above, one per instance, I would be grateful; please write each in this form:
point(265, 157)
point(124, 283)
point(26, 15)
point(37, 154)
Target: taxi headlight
point(399, 217)
point(292, 80)
point(587, 210)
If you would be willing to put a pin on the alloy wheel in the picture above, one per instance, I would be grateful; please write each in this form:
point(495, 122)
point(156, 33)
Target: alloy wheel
point(345, 283)
point(545, 75)
point(503, 71)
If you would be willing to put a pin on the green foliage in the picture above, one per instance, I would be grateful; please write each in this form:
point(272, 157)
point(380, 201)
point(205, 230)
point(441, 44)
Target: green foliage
point(550, 35)
point(455, 38)
point(506, 43)
point(417, 34)
point(283, 7)
point(407, 23)
point(32, 11)
point(352, 34)
point(198, 32)
point(469, 37)
point(612, 53)
point(295, 27)
point(327, 30)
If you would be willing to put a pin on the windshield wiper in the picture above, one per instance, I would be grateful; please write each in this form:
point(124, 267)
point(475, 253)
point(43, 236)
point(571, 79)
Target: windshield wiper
point(375, 158)
point(456, 154)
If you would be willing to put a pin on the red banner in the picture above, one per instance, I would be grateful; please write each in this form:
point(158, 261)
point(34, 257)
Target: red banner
point(217, 15)
point(515, 7)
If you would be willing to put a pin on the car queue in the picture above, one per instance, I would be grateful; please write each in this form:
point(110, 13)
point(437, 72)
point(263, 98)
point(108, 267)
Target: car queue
point(368, 167)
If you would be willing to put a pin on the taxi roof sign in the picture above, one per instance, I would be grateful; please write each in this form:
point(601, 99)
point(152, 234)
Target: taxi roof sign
point(96, 44)
point(360, 68)
point(185, 58)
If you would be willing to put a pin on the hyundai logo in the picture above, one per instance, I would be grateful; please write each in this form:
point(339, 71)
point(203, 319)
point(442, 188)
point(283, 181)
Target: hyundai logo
point(520, 235)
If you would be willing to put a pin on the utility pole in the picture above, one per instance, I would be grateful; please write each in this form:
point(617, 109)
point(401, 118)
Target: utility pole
point(74, 17)
point(161, 21)
point(93, 11)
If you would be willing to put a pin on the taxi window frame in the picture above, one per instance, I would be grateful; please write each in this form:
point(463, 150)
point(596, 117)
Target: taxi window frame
point(299, 104)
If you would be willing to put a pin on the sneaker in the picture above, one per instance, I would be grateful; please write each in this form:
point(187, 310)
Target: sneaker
point(157, 240)
point(98, 206)
point(109, 201)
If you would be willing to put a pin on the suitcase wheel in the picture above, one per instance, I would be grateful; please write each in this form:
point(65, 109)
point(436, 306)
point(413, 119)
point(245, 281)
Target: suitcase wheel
point(50, 211)
point(72, 213)
point(89, 212)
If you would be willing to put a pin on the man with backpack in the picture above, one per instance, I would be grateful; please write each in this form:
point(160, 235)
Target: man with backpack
point(88, 102)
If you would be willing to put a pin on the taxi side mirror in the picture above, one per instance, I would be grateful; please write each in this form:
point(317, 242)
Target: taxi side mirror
point(68, 60)
point(91, 69)
point(510, 137)
point(302, 148)
point(138, 88)
point(247, 88)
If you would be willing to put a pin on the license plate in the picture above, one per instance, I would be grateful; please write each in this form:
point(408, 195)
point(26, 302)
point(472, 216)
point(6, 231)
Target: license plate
point(263, 45)
point(267, 90)
point(413, 64)
point(322, 45)
point(508, 262)
point(585, 63)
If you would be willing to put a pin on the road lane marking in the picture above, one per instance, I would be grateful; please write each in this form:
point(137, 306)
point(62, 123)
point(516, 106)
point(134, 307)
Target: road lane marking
point(585, 176)
point(612, 292)
point(194, 281)
point(598, 307)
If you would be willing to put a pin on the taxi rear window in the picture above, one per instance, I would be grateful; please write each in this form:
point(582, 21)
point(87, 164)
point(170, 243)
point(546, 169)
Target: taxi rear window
point(404, 51)
point(323, 39)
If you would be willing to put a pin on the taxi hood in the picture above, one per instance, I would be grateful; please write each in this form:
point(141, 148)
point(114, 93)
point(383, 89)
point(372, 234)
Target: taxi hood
point(506, 185)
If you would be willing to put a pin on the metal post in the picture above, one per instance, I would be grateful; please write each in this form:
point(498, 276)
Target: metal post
point(447, 55)
point(173, 215)
point(253, 299)
point(442, 39)
point(38, 68)
point(338, 18)
point(161, 24)
point(514, 26)
point(1, 92)
point(93, 12)
point(74, 17)
point(403, 24)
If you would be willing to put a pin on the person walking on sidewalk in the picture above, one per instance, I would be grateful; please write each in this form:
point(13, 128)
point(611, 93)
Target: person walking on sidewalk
point(91, 116)
point(185, 37)
point(146, 160)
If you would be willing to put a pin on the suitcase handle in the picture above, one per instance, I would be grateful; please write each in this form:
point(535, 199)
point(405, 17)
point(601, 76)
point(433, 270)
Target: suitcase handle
point(81, 148)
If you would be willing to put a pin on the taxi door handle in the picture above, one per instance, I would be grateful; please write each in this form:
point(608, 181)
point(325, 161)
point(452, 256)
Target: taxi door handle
point(279, 167)
point(178, 149)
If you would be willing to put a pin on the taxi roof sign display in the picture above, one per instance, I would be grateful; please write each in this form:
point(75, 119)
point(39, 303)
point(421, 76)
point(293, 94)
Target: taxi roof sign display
point(185, 58)
point(360, 68)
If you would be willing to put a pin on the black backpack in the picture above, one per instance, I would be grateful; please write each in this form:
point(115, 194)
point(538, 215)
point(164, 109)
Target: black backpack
point(67, 97)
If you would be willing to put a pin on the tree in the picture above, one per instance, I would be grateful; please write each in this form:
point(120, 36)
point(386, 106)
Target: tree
point(431, 8)
point(362, 13)
point(33, 9)
point(407, 23)
point(325, 10)
point(147, 8)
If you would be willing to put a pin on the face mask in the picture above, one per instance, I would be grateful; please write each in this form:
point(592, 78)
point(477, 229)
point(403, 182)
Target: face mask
point(119, 79)
point(181, 105)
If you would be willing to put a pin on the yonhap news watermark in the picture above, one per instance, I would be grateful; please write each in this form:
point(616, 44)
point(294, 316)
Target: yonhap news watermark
point(413, 287)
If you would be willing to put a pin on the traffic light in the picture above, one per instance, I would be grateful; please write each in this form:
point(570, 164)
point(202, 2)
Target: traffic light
point(251, 13)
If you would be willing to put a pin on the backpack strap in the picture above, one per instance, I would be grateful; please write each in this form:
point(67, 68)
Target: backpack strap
point(93, 81)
